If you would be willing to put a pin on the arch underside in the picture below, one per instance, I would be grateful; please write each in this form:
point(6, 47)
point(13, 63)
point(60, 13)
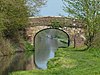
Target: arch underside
point(46, 42)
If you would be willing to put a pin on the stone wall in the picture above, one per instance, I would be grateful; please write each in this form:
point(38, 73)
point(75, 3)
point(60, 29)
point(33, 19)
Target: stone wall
point(73, 27)
point(76, 34)
point(47, 21)
point(31, 31)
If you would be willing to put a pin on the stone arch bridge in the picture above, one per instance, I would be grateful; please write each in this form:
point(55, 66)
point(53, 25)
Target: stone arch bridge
point(73, 27)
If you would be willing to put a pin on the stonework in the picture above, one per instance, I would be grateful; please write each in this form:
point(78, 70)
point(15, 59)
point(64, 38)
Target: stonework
point(76, 33)
point(31, 31)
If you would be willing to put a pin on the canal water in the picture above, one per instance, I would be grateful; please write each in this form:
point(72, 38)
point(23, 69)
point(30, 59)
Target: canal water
point(46, 44)
point(18, 62)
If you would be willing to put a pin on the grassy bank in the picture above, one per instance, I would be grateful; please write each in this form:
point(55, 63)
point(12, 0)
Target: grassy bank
point(68, 61)
point(10, 47)
point(6, 47)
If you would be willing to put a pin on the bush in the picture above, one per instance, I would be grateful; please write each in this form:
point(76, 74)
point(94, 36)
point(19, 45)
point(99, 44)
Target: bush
point(13, 17)
point(61, 62)
point(96, 41)
point(28, 46)
point(55, 24)
point(6, 47)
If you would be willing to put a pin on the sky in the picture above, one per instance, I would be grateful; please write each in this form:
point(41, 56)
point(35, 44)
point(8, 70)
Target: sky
point(52, 8)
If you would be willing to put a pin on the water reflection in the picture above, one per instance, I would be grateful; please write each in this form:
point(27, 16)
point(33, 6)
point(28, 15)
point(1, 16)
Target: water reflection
point(46, 43)
point(17, 62)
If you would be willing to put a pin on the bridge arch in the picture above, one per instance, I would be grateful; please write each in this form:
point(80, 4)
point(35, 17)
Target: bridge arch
point(46, 42)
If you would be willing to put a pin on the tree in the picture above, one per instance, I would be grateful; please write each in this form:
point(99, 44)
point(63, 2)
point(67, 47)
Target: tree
point(87, 11)
point(14, 15)
point(2, 27)
point(34, 6)
point(13, 20)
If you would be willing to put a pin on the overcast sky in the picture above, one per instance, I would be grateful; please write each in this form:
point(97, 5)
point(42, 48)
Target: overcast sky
point(53, 8)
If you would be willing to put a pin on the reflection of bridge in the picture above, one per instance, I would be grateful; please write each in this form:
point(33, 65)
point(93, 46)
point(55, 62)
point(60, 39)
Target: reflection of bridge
point(73, 27)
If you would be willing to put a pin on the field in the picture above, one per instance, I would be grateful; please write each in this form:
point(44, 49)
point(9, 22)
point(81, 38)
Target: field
point(70, 61)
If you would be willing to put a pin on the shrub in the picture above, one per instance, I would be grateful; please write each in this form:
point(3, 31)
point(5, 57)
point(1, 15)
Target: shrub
point(96, 41)
point(55, 24)
point(6, 47)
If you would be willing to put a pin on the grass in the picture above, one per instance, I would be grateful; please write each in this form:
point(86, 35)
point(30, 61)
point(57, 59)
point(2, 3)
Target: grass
point(68, 61)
